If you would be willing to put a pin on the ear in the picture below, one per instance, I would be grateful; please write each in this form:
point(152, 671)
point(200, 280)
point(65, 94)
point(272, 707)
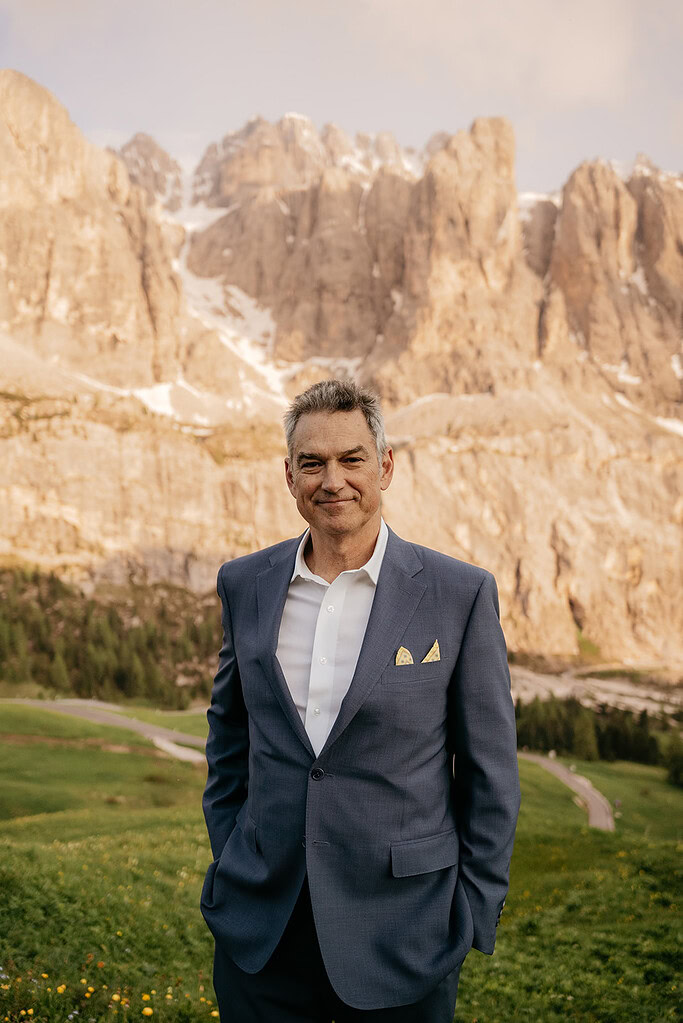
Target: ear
point(289, 477)
point(387, 471)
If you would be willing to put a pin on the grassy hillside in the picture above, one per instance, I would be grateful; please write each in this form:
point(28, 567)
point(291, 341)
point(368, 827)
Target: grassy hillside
point(99, 899)
point(16, 719)
point(192, 722)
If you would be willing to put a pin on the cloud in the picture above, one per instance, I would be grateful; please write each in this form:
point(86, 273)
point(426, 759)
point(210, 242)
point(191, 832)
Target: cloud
point(557, 54)
point(551, 52)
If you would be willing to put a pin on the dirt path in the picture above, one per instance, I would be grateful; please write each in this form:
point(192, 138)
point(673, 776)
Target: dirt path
point(598, 807)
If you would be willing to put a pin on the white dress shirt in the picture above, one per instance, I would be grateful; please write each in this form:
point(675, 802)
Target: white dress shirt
point(321, 633)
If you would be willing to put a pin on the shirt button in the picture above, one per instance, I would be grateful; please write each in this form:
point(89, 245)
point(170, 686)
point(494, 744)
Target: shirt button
point(323, 660)
point(316, 710)
point(330, 608)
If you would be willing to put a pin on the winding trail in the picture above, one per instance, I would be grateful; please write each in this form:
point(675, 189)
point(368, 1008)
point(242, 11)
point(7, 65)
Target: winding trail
point(598, 807)
point(166, 739)
point(190, 748)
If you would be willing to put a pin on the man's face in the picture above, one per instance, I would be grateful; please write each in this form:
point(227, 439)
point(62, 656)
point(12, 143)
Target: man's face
point(334, 474)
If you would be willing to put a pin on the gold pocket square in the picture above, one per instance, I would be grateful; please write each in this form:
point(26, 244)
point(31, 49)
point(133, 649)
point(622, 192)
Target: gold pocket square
point(434, 654)
point(404, 655)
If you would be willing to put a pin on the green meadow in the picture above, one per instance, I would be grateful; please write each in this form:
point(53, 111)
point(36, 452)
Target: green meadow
point(190, 722)
point(103, 851)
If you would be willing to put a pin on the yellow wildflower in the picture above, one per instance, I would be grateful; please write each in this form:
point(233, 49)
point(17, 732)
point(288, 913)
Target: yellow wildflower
point(83, 980)
point(147, 1011)
point(61, 989)
point(154, 990)
point(215, 1012)
point(45, 975)
point(30, 1012)
point(145, 998)
point(116, 998)
point(87, 994)
point(91, 989)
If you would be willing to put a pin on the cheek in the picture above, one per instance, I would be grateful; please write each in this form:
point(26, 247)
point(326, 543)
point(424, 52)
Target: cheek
point(305, 491)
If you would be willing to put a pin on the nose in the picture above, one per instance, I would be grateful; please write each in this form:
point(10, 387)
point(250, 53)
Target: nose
point(333, 478)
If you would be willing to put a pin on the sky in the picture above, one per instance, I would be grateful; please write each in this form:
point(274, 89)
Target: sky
point(578, 79)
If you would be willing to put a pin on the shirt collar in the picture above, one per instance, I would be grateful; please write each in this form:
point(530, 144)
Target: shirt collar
point(371, 566)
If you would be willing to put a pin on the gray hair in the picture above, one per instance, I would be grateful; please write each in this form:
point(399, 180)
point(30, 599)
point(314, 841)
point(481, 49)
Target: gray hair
point(337, 396)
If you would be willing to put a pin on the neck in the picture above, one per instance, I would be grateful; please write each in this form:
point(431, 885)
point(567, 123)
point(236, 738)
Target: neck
point(329, 554)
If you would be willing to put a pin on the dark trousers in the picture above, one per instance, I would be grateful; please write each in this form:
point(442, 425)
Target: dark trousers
point(293, 986)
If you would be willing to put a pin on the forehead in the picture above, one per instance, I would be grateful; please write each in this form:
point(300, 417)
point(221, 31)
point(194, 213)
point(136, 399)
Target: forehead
point(329, 432)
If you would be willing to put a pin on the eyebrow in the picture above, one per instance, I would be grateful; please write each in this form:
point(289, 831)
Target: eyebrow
point(304, 456)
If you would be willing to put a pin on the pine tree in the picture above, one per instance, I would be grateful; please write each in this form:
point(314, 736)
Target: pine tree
point(585, 743)
point(5, 642)
point(674, 760)
point(58, 675)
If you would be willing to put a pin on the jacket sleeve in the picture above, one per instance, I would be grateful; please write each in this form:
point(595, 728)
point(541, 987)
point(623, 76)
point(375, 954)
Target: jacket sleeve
point(483, 739)
point(227, 745)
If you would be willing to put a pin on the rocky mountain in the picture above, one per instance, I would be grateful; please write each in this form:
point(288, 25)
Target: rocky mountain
point(152, 168)
point(528, 349)
point(292, 155)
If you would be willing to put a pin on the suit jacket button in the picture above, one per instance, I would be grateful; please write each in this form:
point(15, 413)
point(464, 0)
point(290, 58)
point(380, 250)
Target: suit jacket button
point(317, 773)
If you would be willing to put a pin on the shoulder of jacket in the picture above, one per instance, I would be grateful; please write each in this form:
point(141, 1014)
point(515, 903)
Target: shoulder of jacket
point(463, 572)
point(249, 565)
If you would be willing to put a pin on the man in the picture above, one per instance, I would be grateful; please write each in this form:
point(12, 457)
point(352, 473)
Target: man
point(362, 790)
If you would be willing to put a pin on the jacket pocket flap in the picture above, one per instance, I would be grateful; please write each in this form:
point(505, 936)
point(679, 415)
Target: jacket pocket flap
point(420, 855)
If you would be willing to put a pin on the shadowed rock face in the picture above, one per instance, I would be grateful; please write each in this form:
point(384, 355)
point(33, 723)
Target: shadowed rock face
point(85, 266)
point(528, 351)
point(616, 261)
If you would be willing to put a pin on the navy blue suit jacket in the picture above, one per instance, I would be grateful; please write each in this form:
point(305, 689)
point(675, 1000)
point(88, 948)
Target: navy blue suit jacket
point(405, 821)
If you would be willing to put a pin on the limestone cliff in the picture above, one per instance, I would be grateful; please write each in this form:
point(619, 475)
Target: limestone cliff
point(528, 350)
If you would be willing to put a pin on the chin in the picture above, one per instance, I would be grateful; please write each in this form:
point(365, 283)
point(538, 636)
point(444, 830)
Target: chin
point(341, 519)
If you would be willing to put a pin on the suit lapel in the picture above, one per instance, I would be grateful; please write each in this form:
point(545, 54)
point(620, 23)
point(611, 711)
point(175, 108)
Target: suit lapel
point(271, 593)
point(396, 599)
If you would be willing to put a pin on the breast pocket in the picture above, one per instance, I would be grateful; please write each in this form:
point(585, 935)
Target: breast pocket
point(401, 674)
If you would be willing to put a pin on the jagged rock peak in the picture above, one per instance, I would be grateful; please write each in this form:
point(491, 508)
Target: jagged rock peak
point(292, 154)
point(43, 155)
point(85, 268)
point(151, 167)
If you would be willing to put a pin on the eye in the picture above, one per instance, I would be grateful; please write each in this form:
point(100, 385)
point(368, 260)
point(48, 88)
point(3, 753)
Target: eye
point(353, 459)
